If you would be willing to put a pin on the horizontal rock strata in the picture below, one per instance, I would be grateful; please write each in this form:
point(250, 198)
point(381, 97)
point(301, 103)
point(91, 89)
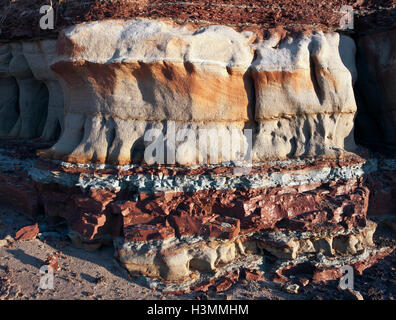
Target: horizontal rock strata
point(302, 208)
point(294, 92)
point(201, 143)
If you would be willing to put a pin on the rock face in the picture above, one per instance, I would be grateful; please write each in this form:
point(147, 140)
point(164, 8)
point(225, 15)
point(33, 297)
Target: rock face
point(296, 95)
point(376, 89)
point(33, 97)
point(376, 121)
point(305, 104)
point(197, 148)
point(39, 56)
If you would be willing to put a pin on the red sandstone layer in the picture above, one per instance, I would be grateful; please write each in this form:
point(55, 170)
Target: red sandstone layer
point(95, 213)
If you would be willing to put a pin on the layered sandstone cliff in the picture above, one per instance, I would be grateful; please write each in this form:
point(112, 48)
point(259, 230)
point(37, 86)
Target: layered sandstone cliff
point(122, 78)
point(279, 108)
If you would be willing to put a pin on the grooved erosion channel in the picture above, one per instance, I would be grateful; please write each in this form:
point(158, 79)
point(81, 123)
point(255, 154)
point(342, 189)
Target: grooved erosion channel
point(236, 149)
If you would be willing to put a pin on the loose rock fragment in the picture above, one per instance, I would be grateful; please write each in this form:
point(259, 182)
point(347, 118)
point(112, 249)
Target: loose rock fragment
point(293, 288)
point(27, 233)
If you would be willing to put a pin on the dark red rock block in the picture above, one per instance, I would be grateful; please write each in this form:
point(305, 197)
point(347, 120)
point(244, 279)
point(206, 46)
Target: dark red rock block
point(224, 285)
point(90, 226)
point(220, 284)
point(226, 213)
point(214, 226)
point(327, 211)
point(86, 214)
point(323, 274)
point(95, 202)
point(301, 208)
point(251, 275)
point(136, 212)
point(147, 232)
point(203, 287)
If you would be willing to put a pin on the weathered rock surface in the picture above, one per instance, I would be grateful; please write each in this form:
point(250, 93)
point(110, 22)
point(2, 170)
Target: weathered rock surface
point(33, 97)
point(300, 201)
point(39, 56)
point(304, 97)
point(241, 14)
point(189, 237)
point(376, 90)
point(294, 91)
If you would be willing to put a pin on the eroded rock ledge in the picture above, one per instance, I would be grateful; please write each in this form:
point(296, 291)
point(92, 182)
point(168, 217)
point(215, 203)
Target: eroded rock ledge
point(89, 98)
point(190, 227)
point(294, 91)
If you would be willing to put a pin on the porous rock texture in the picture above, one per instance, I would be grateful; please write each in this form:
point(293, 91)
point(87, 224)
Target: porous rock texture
point(299, 200)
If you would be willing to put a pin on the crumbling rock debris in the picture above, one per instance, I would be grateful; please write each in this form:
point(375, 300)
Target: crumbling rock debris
point(252, 275)
point(241, 14)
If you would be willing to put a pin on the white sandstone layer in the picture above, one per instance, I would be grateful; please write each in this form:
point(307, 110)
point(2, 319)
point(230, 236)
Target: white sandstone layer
point(122, 78)
point(32, 99)
point(305, 104)
point(40, 55)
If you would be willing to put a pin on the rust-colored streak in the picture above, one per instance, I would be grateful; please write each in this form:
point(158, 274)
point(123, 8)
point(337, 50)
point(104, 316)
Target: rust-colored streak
point(206, 90)
point(298, 80)
point(223, 96)
point(66, 47)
